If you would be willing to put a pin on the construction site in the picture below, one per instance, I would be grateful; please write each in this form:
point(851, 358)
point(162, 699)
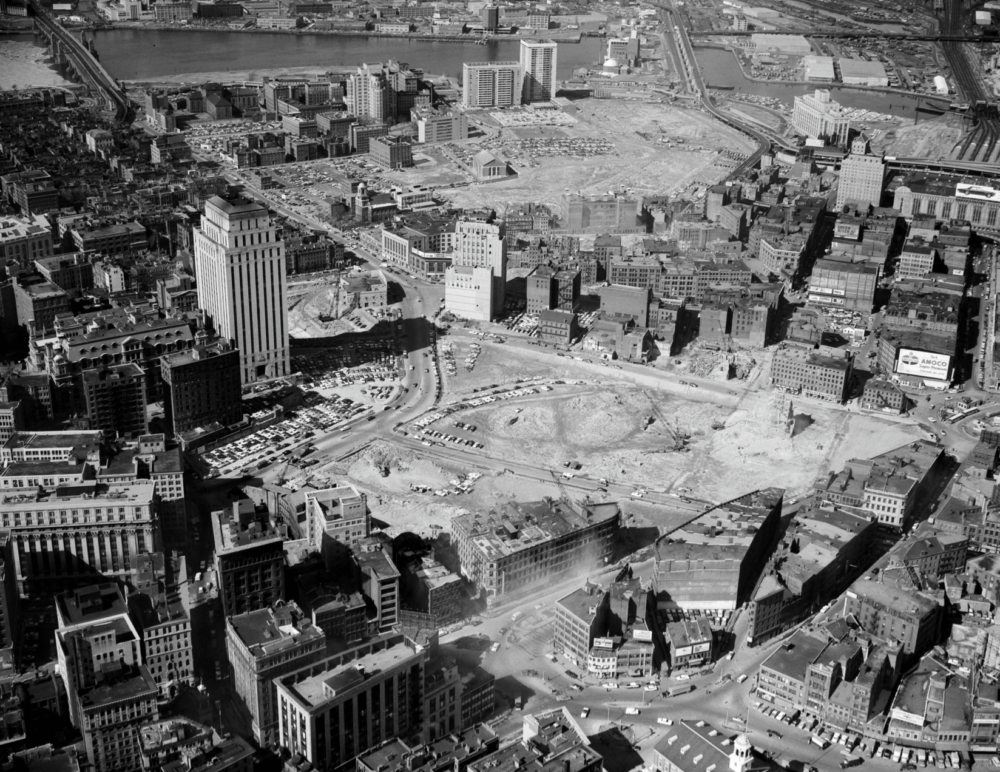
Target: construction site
point(650, 147)
point(318, 307)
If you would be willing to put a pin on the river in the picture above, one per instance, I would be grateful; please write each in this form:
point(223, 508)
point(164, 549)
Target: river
point(138, 54)
point(720, 68)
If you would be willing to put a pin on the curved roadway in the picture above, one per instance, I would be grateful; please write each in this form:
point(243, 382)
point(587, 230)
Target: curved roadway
point(695, 82)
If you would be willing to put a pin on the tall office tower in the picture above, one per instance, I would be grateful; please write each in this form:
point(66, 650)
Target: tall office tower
point(368, 93)
point(862, 176)
point(491, 84)
point(538, 63)
point(240, 263)
point(482, 245)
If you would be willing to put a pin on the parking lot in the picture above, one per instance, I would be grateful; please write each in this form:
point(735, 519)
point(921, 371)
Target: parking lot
point(279, 441)
point(855, 746)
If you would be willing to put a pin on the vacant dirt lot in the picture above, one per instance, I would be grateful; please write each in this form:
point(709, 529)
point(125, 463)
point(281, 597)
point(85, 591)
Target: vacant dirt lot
point(928, 139)
point(642, 164)
point(637, 437)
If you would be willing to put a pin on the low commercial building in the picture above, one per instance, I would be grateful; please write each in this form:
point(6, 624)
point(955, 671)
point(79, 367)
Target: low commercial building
point(440, 125)
point(454, 752)
point(628, 301)
point(71, 273)
point(522, 545)
point(934, 554)
point(110, 239)
point(558, 327)
point(194, 746)
point(25, 240)
point(883, 396)
point(262, 646)
point(830, 674)
point(365, 289)
point(888, 606)
point(391, 152)
point(420, 244)
point(860, 72)
point(808, 372)
point(843, 284)
point(931, 708)
point(550, 742)
point(692, 643)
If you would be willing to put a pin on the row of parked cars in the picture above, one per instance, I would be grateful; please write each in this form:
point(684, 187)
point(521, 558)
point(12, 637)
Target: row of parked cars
point(451, 438)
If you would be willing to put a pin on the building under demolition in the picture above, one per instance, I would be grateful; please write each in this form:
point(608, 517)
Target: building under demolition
point(520, 545)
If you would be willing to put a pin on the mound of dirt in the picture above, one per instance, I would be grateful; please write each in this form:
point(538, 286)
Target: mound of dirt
point(603, 418)
point(530, 422)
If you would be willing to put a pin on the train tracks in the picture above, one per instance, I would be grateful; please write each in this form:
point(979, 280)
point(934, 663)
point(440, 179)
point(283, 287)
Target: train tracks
point(982, 143)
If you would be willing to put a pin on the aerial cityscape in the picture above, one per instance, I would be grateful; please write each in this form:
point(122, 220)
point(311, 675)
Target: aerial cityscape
point(499, 387)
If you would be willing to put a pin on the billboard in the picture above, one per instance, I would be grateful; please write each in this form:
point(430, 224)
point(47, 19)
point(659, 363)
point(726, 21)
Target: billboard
point(698, 648)
point(976, 192)
point(923, 364)
point(604, 643)
point(642, 635)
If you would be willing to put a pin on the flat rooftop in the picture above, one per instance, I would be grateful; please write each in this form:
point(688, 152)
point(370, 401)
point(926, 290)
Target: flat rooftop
point(268, 630)
point(513, 527)
point(316, 688)
point(134, 492)
point(138, 686)
point(91, 604)
point(580, 602)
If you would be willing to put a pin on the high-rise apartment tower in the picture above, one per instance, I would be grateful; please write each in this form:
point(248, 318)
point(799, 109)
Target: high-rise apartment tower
point(538, 65)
